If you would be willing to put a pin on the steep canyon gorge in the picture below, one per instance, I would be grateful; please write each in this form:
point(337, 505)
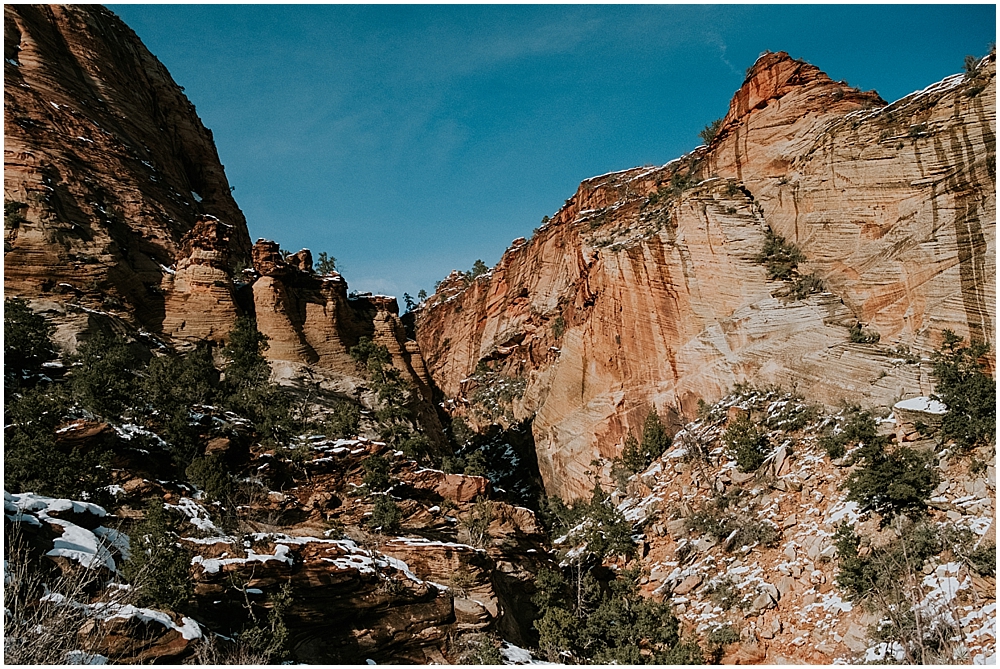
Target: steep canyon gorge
point(650, 289)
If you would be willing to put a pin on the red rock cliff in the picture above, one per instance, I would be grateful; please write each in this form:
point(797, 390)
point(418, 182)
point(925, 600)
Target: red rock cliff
point(106, 164)
point(643, 290)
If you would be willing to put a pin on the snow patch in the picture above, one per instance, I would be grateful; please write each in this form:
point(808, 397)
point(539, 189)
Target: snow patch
point(922, 404)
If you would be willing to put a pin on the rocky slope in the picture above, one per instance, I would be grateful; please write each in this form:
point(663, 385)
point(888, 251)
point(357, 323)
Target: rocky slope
point(757, 552)
point(643, 290)
point(355, 594)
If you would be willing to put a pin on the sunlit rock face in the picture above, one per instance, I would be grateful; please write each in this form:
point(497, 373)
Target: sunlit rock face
point(643, 290)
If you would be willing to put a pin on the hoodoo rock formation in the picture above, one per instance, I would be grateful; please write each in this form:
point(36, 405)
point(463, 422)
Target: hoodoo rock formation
point(646, 289)
point(311, 320)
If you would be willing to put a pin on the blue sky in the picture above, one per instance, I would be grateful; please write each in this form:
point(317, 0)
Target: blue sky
point(411, 140)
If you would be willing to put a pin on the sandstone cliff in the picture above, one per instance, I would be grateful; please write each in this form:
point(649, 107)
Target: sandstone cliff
point(643, 290)
point(116, 205)
point(106, 164)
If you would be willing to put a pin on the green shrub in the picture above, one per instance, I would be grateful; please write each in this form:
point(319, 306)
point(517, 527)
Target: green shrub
point(709, 132)
point(479, 649)
point(415, 446)
point(964, 386)
point(478, 269)
point(718, 639)
point(803, 286)
point(172, 385)
point(605, 530)
point(27, 341)
point(268, 639)
point(655, 439)
point(376, 474)
point(210, 474)
point(326, 264)
point(969, 66)
point(106, 377)
point(880, 571)
point(724, 594)
point(33, 459)
point(394, 417)
point(475, 464)
point(247, 389)
point(965, 546)
point(746, 443)
point(892, 482)
point(156, 566)
point(461, 582)
point(477, 523)
point(558, 326)
point(13, 215)
point(636, 456)
point(343, 420)
point(779, 256)
point(607, 623)
point(859, 428)
point(386, 516)
point(984, 560)
point(861, 335)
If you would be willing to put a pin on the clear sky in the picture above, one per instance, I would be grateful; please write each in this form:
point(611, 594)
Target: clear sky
point(411, 140)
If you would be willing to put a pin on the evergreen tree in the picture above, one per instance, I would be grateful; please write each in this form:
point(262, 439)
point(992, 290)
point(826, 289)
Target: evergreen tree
point(27, 342)
point(967, 390)
point(156, 566)
point(247, 386)
point(106, 378)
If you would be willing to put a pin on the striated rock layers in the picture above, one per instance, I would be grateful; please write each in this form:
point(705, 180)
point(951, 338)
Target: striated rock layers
point(106, 164)
point(116, 203)
point(644, 290)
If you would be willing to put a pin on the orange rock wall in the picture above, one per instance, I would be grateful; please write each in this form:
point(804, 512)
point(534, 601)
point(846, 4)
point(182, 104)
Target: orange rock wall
point(623, 302)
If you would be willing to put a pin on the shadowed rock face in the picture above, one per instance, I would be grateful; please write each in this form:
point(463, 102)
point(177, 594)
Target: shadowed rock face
point(108, 158)
point(643, 290)
point(117, 203)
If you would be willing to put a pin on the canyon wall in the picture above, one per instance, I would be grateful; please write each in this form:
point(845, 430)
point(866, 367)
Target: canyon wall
point(106, 164)
point(116, 205)
point(643, 291)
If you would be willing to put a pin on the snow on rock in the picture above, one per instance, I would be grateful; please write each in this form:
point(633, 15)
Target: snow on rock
point(82, 545)
point(31, 502)
point(423, 543)
point(189, 628)
point(885, 651)
point(847, 511)
point(90, 549)
point(82, 657)
point(282, 553)
point(196, 514)
point(922, 404)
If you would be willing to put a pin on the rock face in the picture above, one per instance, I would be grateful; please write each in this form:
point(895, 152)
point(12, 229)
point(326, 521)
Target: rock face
point(643, 290)
point(107, 167)
point(775, 578)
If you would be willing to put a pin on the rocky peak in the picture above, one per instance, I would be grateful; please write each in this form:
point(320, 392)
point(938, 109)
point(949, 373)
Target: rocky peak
point(775, 75)
point(208, 243)
point(303, 260)
point(199, 301)
point(644, 289)
point(267, 258)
